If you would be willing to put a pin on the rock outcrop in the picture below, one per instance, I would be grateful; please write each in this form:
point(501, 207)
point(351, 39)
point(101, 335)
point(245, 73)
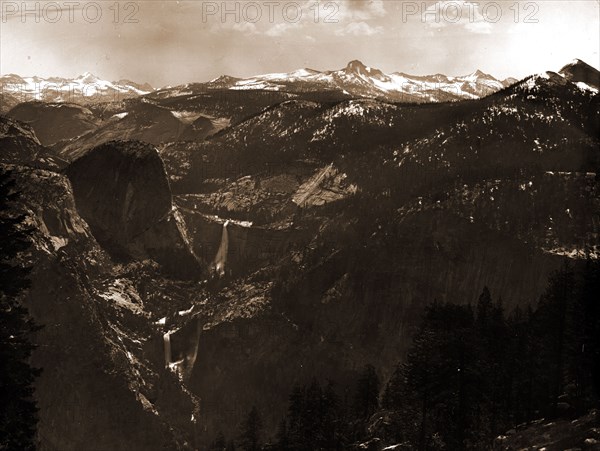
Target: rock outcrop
point(143, 121)
point(100, 388)
point(122, 191)
point(55, 122)
point(579, 71)
point(562, 433)
point(19, 145)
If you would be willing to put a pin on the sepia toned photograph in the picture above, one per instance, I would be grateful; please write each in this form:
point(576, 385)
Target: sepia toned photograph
point(310, 225)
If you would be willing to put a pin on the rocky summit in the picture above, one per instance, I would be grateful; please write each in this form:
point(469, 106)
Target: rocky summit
point(122, 191)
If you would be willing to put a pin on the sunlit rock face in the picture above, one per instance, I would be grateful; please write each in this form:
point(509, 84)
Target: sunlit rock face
point(100, 387)
point(18, 143)
point(122, 191)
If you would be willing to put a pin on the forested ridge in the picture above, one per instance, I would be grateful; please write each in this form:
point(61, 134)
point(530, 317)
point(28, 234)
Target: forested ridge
point(474, 371)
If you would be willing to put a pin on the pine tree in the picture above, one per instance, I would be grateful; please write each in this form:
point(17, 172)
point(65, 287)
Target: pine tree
point(250, 439)
point(18, 413)
point(584, 337)
point(492, 339)
point(392, 398)
point(484, 308)
point(439, 376)
point(296, 430)
point(312, 416)
point(552, 327)
point(282, 438)
point(520, 363)
point(219, 444)
point(366, 398)
point(332, 419)
point(468, 377)
point(404, 402)
point(315, 420)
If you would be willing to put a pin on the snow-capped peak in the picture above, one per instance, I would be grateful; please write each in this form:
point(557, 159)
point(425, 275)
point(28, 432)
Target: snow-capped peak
point(477, 75)
point(356, 66)
point(304, 72)
point(87, 77)
point(577, 61)
point(85, 87)
point(359, 80)
point(578, 71)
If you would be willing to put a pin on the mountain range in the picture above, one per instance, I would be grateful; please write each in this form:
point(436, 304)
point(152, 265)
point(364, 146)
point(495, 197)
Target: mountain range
point(85, 88)
point(356, 80)
point(332, 220)
point(359, 80)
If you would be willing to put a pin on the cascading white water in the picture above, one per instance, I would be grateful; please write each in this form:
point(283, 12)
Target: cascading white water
point(186, 352)
point(167, 344)
point(190, 360)
point(221, 257)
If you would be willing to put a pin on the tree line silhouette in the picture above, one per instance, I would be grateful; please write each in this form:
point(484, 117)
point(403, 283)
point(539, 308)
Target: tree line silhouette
point(473, 372)
point(18, 408)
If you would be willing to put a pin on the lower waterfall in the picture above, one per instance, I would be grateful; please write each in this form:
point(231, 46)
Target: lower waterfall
point(167, 344)
point(221, 257)
point(182, 358)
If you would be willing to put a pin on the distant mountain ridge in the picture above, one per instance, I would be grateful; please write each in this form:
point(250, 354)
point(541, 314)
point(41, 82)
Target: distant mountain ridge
point(86, 88)
point(356, 80)
point(360, 80)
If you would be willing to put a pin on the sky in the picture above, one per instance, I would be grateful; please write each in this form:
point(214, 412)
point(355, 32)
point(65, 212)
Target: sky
point(174, 42)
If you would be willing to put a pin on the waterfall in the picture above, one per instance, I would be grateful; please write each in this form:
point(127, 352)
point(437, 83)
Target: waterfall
point(221, 257)
point(167, 343)
point(186, 351)
point(190, 360)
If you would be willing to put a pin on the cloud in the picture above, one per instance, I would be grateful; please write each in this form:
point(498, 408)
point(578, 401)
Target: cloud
point(358, 29)
point(481, 27)
point(360, 10)
point(457, 13)
point(281, 28)
point(246, 28)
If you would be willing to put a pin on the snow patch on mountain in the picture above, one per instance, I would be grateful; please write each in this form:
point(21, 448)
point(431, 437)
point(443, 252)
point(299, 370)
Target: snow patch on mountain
point(359, 80)
point(86, 87)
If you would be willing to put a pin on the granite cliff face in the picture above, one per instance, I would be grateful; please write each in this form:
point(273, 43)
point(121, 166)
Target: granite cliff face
point(99, 388)
point(18, 142)
point(122, 191)
point(104, 383)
